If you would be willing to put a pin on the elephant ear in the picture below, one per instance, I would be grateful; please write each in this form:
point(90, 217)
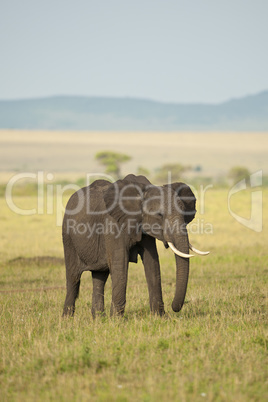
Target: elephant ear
point(123, 200)
point(187, 197)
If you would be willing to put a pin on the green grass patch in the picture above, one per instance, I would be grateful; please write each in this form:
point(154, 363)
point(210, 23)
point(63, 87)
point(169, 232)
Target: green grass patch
point(215, 349)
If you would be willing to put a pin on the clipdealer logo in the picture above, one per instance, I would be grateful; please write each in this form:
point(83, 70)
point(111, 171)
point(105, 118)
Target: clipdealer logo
point(256, 206)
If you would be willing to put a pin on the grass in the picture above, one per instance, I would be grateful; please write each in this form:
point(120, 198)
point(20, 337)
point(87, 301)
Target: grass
point(215, 349)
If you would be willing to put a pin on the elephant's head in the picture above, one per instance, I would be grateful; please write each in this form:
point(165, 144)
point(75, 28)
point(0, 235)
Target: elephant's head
point(162, 212)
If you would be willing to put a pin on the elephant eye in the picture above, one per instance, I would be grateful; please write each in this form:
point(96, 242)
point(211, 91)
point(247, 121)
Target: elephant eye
point(159, 214)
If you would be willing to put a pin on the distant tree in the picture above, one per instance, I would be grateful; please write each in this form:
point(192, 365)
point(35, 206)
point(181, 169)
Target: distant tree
point(238, 173)
point(172, 171)
point(143, 171)
point(112, 161)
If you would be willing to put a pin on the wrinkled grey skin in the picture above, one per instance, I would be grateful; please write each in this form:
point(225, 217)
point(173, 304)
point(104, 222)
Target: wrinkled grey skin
point(146, 218)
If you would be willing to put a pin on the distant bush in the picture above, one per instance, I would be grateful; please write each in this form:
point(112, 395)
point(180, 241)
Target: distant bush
point(238, 173)
point(171, 171)
point(143, 171)
point(112, 161)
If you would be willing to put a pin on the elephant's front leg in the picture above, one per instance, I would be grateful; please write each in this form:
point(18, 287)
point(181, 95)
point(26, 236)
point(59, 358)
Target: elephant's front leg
point(99, 279)
point(119, 274)
point(151, 264)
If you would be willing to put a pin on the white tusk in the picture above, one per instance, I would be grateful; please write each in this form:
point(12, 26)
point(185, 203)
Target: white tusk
point(179, 253)
point(198, 251)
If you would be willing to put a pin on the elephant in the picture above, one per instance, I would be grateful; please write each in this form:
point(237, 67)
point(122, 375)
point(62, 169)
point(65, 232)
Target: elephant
point(107, 225)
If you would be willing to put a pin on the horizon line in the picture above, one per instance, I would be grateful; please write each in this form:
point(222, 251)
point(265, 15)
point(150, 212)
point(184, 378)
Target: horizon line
point(131, 98)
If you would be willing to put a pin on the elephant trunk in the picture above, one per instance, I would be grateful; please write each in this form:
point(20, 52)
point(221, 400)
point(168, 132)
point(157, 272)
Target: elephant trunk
point(182, 273)
point(182, 266)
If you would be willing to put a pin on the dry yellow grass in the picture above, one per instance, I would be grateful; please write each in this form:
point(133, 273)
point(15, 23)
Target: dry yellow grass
point(75, 151)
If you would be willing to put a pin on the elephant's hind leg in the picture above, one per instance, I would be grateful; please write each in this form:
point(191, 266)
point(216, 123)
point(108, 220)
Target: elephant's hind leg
point(73, 276)
point(99, 279)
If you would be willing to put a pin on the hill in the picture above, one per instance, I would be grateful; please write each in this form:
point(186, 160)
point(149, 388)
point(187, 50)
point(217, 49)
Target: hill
point(96, 113)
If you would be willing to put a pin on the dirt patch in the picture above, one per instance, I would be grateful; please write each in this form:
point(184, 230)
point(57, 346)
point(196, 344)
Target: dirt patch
point(40, 261)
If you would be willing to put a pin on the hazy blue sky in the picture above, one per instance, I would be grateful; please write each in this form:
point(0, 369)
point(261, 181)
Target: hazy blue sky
point(168, 50)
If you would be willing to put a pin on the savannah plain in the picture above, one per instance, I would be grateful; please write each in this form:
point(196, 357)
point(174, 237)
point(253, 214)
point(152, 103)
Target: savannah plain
point(215, 349)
